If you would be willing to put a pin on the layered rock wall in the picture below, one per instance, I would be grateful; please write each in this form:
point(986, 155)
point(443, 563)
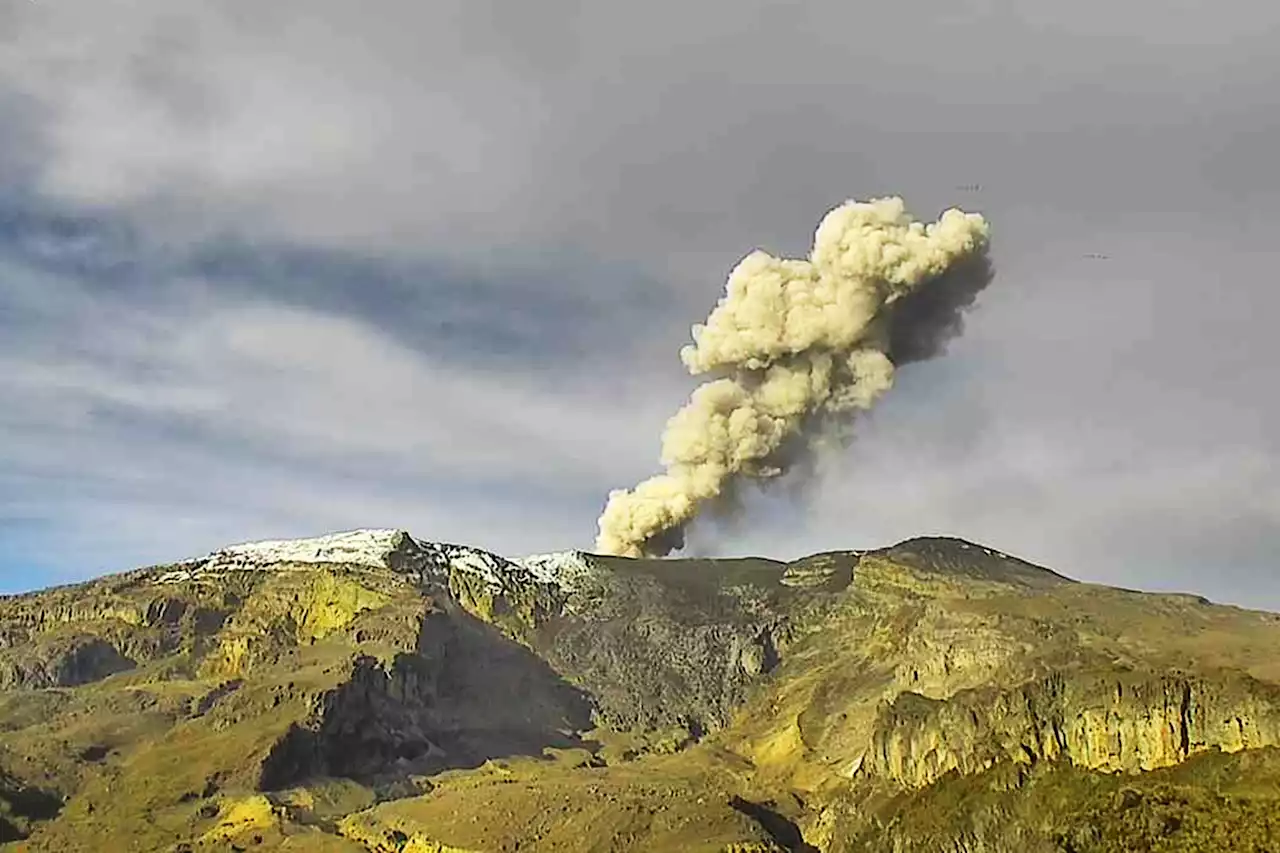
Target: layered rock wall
point(1130, 723)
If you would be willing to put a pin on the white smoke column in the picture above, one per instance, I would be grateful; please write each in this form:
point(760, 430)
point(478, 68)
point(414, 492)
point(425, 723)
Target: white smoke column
point(795, 339)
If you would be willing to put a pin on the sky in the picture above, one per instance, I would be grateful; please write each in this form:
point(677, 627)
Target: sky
point(273, 270)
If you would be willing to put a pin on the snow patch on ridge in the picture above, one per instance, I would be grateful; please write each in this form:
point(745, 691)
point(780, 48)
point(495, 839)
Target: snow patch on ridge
point(391, 549)
point(374, 548)
point(562, 568)
point(371, 547)
point(490, 568)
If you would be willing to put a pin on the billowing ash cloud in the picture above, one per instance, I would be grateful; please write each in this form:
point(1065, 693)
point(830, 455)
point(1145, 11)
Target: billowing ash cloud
point(799, 346)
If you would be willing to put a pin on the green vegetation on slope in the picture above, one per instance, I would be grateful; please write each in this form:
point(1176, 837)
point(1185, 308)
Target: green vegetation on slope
point(932, 696)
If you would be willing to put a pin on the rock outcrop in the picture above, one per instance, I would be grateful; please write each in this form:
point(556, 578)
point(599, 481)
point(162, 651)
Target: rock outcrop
point(1111, 722)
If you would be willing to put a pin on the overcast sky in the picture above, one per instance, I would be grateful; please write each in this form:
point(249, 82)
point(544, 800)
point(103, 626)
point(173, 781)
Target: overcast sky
point(276, 269)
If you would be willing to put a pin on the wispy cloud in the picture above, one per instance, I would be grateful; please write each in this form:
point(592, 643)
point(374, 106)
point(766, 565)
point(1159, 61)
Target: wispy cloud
point(141, 416)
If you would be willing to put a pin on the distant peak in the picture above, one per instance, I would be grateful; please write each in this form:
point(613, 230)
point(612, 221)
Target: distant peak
point(950, 542)
point(958, 556)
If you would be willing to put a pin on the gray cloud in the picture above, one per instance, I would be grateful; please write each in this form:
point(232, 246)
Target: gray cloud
point(133, 426)
point(566, 186)
point(657, 127)
point(299, 382)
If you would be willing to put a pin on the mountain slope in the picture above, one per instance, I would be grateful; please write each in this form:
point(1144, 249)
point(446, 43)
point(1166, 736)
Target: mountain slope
point(371, 692)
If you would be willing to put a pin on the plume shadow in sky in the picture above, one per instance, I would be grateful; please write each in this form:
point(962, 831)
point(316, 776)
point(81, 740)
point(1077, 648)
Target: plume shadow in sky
point(924, 321)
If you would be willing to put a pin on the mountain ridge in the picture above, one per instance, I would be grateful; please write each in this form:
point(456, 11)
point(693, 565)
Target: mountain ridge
point(370, 691)
point(391, 547)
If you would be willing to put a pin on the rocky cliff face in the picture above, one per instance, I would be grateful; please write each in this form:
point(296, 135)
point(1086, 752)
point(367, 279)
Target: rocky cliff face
point(369, 691)
point(1112, 722)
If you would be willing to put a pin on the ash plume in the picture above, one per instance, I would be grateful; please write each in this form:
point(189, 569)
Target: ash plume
point(796, 349)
